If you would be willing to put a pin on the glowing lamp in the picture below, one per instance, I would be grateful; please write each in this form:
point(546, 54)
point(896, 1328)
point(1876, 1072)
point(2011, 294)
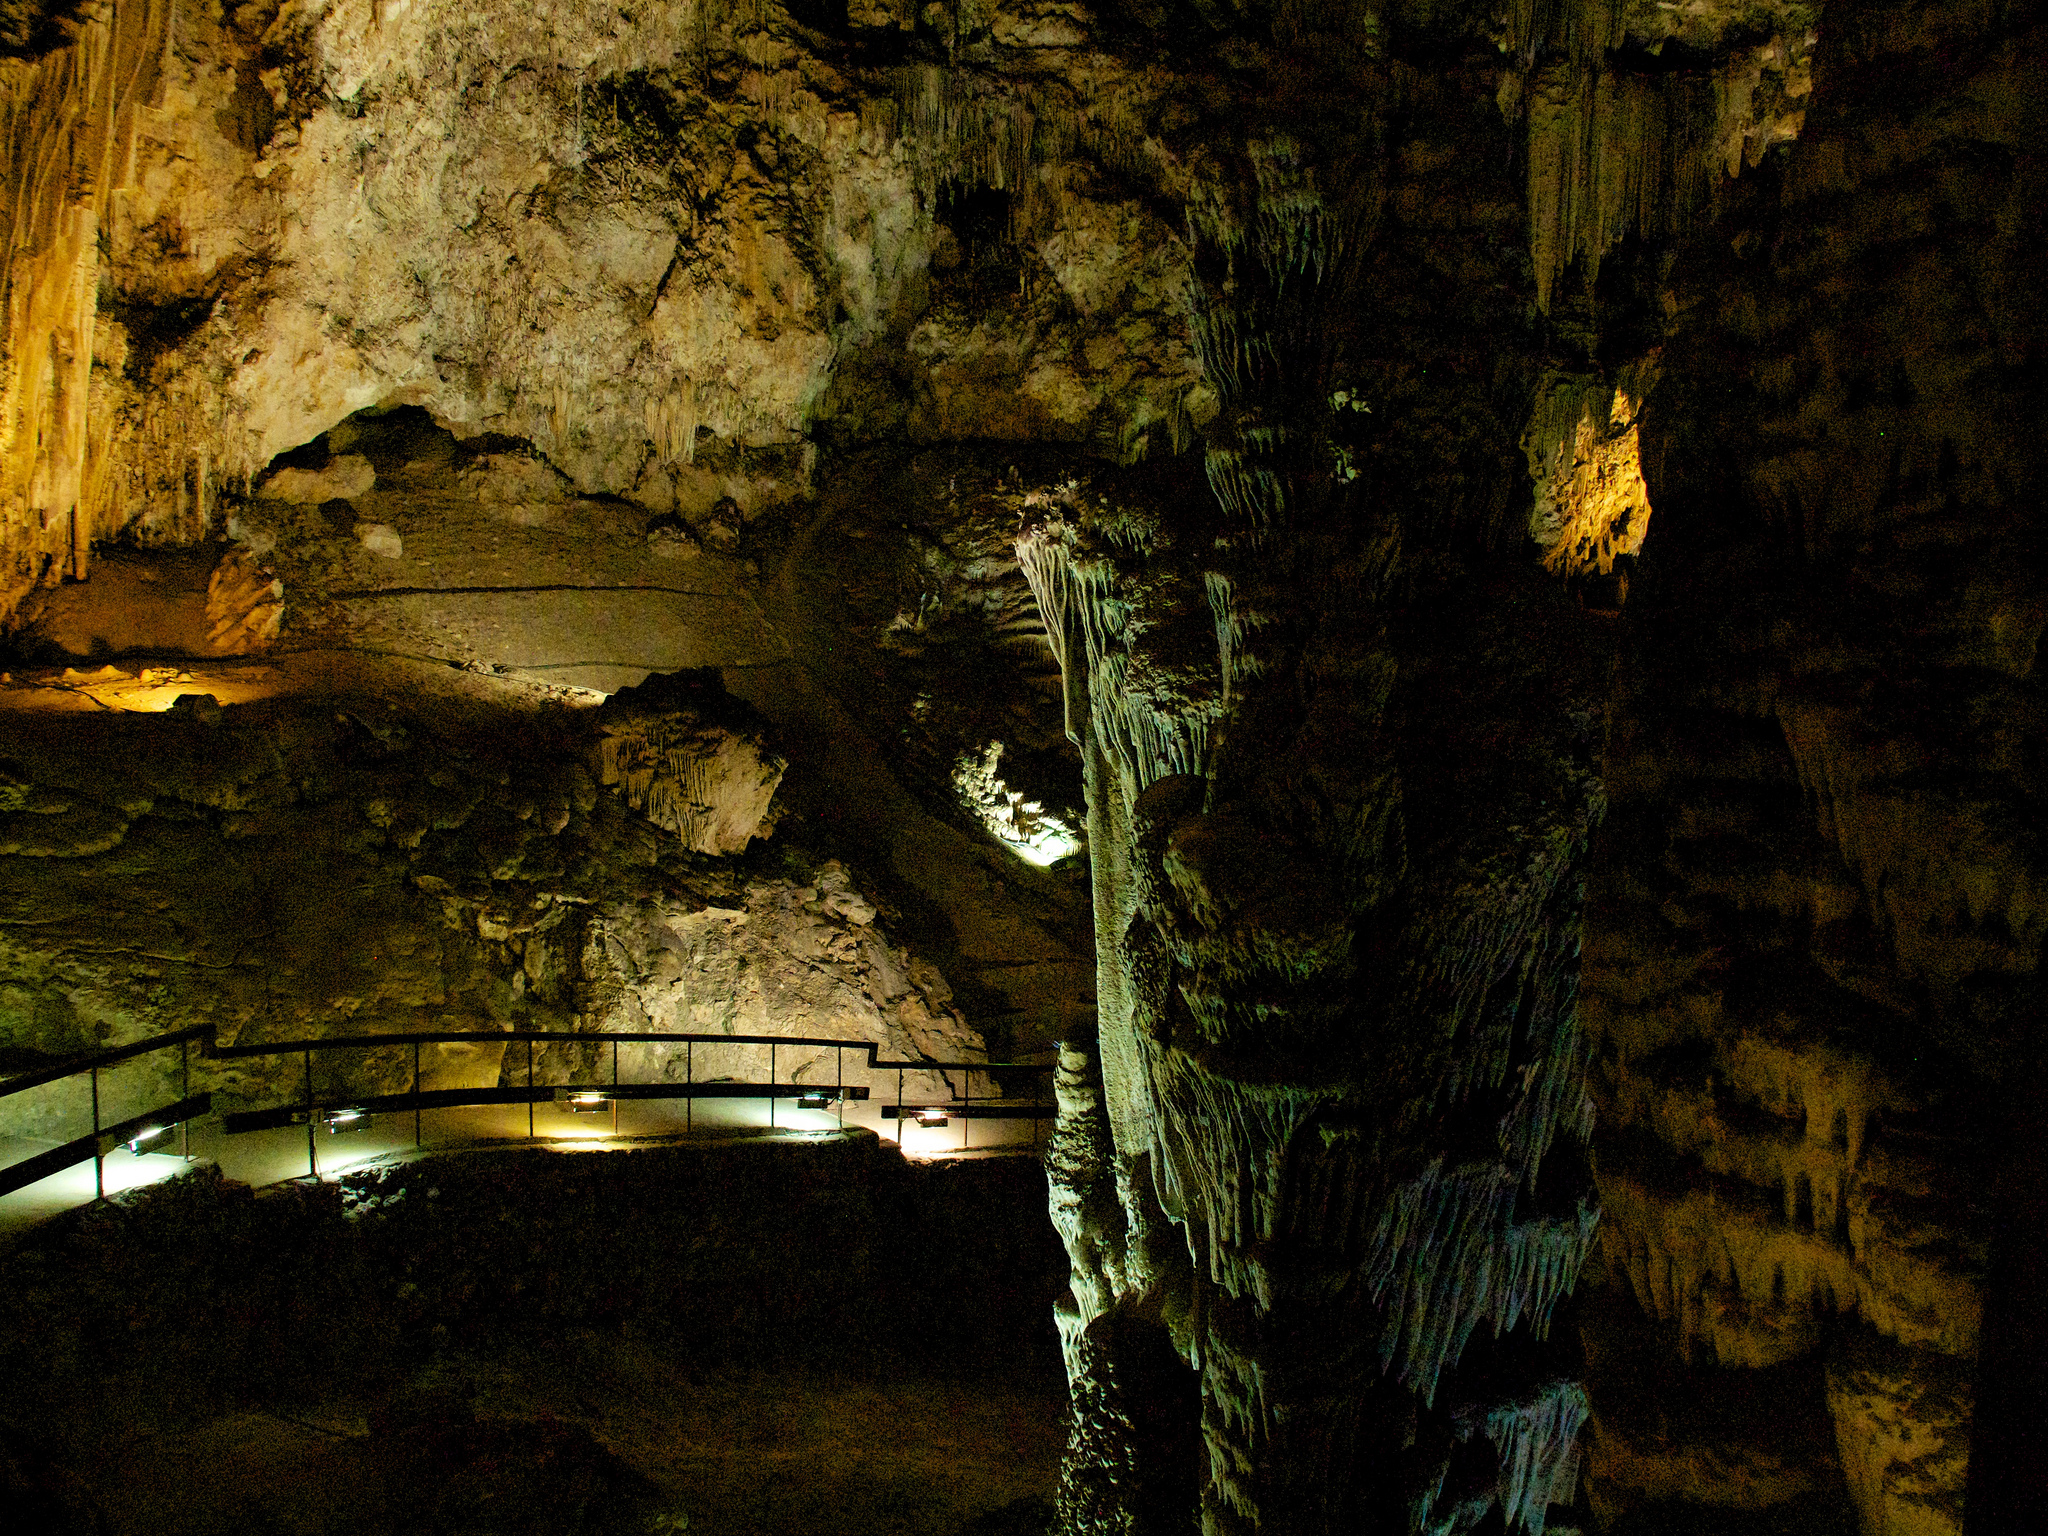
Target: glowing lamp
point(934, 1118)
point(814, 1101)
point(584, 1102)
point(141, 1143)
point(341, 1121)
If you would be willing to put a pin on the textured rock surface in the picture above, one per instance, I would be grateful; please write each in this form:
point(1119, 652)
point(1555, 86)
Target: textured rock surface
point(1813, 955)
point(291, 869)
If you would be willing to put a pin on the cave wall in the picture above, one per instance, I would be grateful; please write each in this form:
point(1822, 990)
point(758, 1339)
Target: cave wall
point(621, 235)
point(309, 868)
point(1810, 974)
point(1814, 941)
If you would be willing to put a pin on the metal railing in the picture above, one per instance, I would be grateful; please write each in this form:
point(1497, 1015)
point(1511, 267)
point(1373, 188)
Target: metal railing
point(188, 1106)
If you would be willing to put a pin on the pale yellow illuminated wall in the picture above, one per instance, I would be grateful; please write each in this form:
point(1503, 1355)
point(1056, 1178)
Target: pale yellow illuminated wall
point(1585, 456)
point(67, 145)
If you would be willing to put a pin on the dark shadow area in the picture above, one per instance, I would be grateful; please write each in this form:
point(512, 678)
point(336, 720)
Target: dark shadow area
point(500, 1342)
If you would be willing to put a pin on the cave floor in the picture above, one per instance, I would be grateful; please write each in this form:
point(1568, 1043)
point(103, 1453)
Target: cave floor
point(737, 1452)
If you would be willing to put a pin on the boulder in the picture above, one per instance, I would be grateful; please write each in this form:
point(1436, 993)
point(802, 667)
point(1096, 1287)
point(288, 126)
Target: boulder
point(344, 478)
point(691, 759)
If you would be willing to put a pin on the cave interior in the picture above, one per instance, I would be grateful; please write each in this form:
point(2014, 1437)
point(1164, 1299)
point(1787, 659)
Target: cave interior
point(1395, 645)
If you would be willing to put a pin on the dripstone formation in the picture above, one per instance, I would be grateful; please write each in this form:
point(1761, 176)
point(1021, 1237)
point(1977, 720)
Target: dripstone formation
point(1535, 506)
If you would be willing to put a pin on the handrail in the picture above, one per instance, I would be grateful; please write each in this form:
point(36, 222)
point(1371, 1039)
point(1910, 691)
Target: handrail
point(18, 1175)
point(71, 1066)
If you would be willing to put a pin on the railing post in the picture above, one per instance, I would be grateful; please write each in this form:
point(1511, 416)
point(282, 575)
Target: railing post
point(839, 1070)
point(690, 1081)
point(771, 1086)
point(967, 1120)
point(529, 1087)
point(312, 1156)
point(899, 1109)
point(615, 1087)
point(99, 1161)
point(185, 1092)
point(417, 1141)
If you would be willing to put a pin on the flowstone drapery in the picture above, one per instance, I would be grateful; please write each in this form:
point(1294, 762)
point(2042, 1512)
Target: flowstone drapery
point(67, 144)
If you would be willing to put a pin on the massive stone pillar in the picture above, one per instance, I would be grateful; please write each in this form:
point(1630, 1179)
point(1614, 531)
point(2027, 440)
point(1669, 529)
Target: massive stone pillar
point(1338, 724)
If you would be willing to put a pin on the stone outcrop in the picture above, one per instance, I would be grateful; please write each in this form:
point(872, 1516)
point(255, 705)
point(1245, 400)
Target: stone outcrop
point(707, 779)
point(202, 602)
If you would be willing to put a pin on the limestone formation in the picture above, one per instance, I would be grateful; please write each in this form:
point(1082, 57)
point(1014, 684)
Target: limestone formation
point(708, 780)
point(343, 479)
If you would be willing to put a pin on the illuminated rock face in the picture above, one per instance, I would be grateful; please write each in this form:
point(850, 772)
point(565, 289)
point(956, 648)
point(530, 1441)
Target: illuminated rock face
point(655, 241)
point(290, 870)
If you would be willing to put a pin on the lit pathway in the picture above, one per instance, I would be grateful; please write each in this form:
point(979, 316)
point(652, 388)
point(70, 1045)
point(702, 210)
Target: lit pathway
point(269, 1157)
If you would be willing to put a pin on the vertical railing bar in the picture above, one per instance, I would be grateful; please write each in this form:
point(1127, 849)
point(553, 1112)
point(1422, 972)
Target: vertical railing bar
point(690, 1081)
point(839, 1071)
point(771, 1086)
point(529, 1087)
point(615, 1087)
point(99, 1166)
point(312, 1155)
point(185, 1092)
point(417, 1140)
point(899, 1109)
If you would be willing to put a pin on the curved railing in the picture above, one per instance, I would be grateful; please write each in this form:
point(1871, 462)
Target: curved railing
point(310, 1108)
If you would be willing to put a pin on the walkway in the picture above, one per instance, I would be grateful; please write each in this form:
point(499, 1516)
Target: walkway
point(153, 1128)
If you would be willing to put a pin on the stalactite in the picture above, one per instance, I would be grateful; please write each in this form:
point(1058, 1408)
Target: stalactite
point(1597, 165)
point(672, 425)
point(1613, 152)
point(67, 131)
point(1233, 355)
point(1233, 629)
point(1252, 493)
point(968, 127)
point(1538, 1441)
point(1448, 1254)
point(971, 131)
point(708, 784)
point(1510, 927)
point(1145, 734)
point(1224, 1154)
point(1578, 29)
